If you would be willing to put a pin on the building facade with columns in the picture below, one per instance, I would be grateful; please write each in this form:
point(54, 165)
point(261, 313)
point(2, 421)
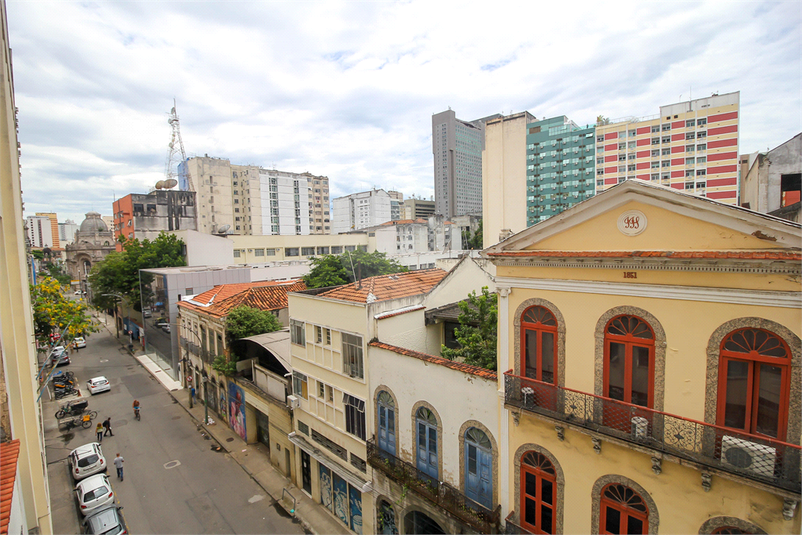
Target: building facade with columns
point(93, 242)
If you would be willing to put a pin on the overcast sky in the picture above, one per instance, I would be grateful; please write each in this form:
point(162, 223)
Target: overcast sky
point(347, 89)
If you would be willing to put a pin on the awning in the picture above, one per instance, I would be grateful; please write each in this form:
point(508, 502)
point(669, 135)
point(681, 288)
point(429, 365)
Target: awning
point(335, 467)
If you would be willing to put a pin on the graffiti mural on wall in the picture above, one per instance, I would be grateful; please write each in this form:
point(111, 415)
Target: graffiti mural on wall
point(236, 410)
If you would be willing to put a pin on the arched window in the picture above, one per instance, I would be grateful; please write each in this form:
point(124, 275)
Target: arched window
point(539, 343)
point(538, 493)
point(622, 510)
point(427, 442)
point(479, 467)
point(754, 382)
point(416, 522)
point(629, 360)
point(385, 405)
point(386, 519)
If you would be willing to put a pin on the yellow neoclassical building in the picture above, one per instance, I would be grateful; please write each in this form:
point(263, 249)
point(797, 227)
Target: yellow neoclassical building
point(649, 359)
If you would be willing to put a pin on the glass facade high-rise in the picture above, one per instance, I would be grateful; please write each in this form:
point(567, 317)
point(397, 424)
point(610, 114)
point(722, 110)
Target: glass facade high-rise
point(559, 168)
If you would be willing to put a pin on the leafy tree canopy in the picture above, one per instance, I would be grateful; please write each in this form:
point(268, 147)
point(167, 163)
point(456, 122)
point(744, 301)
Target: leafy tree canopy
point(244, 321)
point(54, 313)
point(335, 270)
point(475, 240)
point(477, 333)
point(118, 273)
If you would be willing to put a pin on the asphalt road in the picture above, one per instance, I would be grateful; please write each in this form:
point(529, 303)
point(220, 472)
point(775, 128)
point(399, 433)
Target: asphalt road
point(174, 481)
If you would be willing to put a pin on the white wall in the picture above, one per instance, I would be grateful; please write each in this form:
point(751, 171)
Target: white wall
point(206, 249)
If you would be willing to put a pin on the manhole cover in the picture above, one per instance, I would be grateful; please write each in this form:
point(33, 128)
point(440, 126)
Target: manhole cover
point(171, 464)
point(229, 439)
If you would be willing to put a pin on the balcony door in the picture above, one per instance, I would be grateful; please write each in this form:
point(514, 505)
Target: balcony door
point(386, 409)
point(427, 442)
point(478, 467)
point(539, 357)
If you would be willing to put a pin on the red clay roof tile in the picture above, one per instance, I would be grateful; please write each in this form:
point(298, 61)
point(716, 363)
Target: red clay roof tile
point(385, 287)
point(459, 366)
point(9, 453)
point(264, 295)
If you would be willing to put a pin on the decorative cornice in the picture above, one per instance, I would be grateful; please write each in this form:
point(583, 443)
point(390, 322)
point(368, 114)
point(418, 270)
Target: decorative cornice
point(682, 293)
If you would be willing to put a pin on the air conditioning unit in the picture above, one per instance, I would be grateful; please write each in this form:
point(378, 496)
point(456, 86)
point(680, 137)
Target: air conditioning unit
point(293, 402)
point(640, 428)
point(745, 455)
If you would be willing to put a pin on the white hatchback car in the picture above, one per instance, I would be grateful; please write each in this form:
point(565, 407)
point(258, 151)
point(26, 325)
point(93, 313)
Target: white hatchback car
point(79, 342)
point(98, 384)
point(93, 492)
point(86, 460)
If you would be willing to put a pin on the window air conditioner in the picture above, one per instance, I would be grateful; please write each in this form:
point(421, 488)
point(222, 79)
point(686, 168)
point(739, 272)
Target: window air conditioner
point(745, 455)
point(293, 402)
point(640, 428)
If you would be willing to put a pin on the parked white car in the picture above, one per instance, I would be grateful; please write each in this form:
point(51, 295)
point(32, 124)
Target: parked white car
point(79, 342)
point(86, 460)
point(93, 492)
point(98, 384)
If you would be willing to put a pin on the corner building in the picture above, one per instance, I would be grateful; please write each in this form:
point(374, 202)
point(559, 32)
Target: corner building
point(691, 146)
point(650, 348)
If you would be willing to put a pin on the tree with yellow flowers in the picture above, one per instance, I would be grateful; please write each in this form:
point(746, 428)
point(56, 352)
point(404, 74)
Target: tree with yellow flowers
point(53, 312)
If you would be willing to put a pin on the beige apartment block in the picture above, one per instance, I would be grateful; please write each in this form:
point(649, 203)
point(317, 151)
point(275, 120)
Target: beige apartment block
point(649, 355)
point(262, 249)
point(504, 176)
point(26, 504)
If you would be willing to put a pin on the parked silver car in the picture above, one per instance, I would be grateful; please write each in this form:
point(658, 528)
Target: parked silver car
point(106, 521)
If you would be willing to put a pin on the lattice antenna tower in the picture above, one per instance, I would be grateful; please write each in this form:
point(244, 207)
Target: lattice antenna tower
point(176, 154)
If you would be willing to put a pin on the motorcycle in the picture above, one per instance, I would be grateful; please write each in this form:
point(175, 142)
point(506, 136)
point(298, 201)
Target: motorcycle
point(136, 413)
point(75, 408)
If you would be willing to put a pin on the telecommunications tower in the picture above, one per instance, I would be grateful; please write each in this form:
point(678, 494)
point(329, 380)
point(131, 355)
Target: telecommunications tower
point(176, 154)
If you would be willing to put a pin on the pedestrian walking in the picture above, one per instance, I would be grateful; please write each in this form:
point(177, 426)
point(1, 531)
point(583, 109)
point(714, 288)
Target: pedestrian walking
point(192, 392)
point(107, 426)
point(99, 431)
point(118, 462)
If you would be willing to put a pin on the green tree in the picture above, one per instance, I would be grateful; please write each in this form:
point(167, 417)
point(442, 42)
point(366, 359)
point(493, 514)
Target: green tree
point(241, 322)
point(473, 240)
point(335, 270)
point(53, 313)
point(118, 273)
point(477, 333)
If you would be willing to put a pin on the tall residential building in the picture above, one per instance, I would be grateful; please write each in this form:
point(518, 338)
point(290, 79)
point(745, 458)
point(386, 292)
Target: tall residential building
point(144, 217)
point(396, 204)
point(559, 167)
point(40, 231)
point(25, 505)
point(504, 176)
point(53, 227)
point(417, 209)
point(66, 231)
point(457, 148)
point(251, 200)
point(691, 146)
point(360, 210)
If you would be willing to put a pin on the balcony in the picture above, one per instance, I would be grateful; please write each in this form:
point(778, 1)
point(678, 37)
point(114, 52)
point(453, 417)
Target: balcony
point(754, 457)
point(439, 493)
point(511, 527)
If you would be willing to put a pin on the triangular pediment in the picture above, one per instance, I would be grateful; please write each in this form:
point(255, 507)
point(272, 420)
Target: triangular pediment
point(639, 216)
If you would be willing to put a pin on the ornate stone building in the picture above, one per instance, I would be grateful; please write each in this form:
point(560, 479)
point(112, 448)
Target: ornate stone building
point(93, 241)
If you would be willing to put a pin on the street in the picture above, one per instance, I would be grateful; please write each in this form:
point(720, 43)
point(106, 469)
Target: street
point(174, 481)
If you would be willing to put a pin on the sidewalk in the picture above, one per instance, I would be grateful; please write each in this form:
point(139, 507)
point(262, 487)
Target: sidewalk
point(253, 458)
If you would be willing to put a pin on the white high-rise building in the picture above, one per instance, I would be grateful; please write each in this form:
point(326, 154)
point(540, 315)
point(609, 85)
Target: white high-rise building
point(40, 231)
point(360, 210)
point(66, 231)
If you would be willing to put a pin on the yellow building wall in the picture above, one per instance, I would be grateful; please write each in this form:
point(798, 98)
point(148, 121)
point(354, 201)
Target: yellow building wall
point(682, 504)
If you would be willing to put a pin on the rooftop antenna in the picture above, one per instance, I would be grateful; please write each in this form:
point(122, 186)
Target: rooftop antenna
point(176, 151)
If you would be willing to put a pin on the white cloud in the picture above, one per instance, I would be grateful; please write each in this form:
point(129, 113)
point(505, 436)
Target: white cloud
point(347, 89)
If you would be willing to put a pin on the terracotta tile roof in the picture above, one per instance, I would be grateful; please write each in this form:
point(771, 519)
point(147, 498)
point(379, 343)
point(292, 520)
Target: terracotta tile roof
point(404, 222)
point(265, 295)
point(459, 366)
point(385, 287)
point(683, 255)
point(9, 453)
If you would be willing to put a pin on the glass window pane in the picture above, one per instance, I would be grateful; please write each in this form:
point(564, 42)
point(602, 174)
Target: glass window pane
point(616, 374)
point(640, 375)
point(634, 525)
point(547, 357)
point(531, 354)
point(531, 484)
point(613, 521)
point(545, 519)
point(530, 512)
point(433, 444)
point(471, 459)
point(735, 401)
point(421, 435)
point(547, 491)
point(768, 400)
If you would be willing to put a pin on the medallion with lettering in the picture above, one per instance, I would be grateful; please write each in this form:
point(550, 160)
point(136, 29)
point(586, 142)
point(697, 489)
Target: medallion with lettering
point(632, 222)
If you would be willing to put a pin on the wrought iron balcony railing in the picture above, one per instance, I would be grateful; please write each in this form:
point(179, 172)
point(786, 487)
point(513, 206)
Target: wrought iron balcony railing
point(756, 457)
point(439, 493)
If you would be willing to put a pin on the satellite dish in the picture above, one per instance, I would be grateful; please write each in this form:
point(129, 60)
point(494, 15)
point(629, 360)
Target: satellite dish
point(223, 229)
point(170, 183)
point(160, 184)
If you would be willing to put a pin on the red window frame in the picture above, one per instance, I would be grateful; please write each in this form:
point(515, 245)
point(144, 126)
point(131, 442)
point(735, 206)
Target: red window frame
point(754, 358)
point(629, 341)
point(606, 503)
point(539, 466)
point(539, 328)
